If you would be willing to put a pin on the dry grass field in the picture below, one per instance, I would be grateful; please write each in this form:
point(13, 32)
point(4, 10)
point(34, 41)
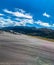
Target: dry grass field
point(25, 50)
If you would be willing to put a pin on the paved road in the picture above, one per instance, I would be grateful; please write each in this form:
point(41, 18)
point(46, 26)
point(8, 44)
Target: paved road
point(25, 50)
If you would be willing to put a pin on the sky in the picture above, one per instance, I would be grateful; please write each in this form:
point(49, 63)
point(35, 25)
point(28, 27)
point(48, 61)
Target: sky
point(33, 13)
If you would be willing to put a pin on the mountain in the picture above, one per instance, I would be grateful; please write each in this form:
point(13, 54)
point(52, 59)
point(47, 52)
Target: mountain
point(43, 32)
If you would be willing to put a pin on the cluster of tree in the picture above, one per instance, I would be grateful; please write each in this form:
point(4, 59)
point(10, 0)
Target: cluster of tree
point(43, 32)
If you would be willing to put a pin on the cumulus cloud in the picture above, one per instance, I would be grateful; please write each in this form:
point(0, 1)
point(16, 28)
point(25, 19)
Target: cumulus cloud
point(1, 14)
point(9, 22)
point(46, 15)
point(19, 13)
point(6, 22)
point(23, 22)
point(53, 25)
point(22, 19)
point(20, 10)
point(43, 23)
point(7, 11)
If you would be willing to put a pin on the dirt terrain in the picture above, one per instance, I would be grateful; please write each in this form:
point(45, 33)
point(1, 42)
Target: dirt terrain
point(25, 50)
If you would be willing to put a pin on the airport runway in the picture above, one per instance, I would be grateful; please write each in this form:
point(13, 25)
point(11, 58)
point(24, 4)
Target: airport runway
point(25, 50)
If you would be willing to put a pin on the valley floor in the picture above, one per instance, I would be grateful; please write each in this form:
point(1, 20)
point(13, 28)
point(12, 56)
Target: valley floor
point(25, 50)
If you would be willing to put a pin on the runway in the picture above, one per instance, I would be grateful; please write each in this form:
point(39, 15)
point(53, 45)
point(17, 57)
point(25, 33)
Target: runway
point(25, 50)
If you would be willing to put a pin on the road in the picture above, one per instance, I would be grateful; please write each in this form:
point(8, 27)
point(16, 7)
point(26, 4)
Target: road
point(25, 50)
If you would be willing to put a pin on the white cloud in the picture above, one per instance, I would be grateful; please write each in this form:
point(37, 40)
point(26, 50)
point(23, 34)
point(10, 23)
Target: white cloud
point(6, 22)
point(19, 13)
point(7, 11)
point(1, 14)
point(9, 22)
point(46, 15)
point(26, 18)
point(53, 25)
point(43, 23)
point(18, 21)
point(20, 10)
point(23, 22)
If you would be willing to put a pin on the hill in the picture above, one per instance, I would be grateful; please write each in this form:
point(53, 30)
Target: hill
point(43, 32)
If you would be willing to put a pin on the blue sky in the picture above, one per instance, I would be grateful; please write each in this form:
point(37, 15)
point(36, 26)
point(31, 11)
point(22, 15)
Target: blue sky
point(38, 13)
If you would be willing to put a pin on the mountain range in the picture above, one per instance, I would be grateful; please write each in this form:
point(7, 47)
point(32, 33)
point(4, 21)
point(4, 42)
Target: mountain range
point(42, 32)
